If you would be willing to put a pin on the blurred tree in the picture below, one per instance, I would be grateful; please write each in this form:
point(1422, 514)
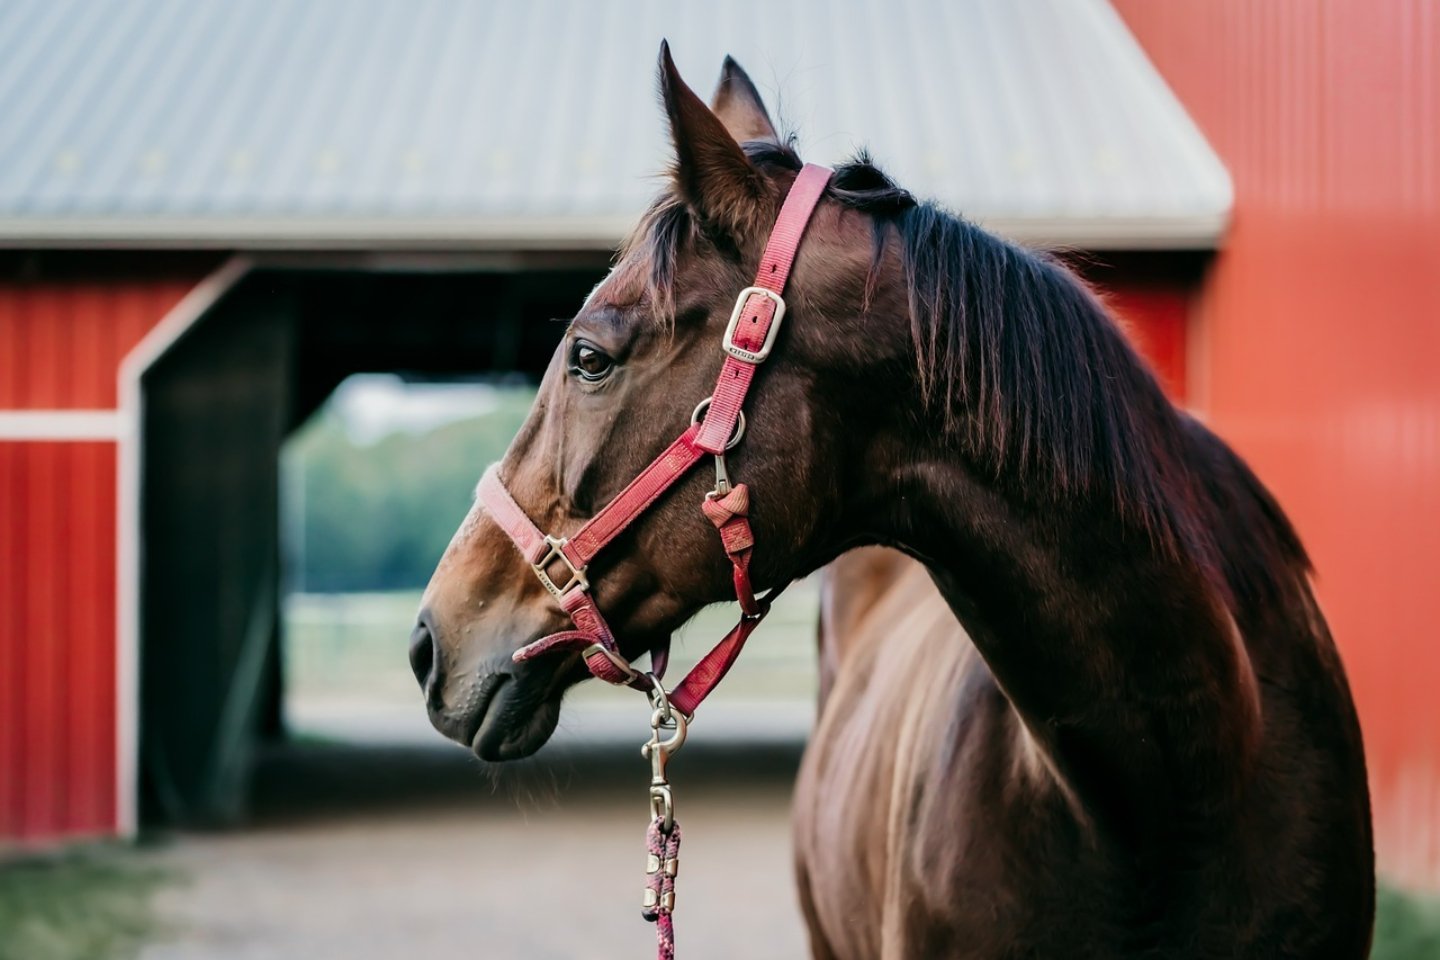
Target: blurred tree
point(377, 516)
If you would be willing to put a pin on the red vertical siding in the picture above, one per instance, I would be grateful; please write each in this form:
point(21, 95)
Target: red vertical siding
point(1319, 333)
point(61, 341)
point(57, 639)
point(1154, 315)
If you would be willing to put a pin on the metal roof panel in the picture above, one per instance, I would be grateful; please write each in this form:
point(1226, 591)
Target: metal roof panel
point(359, 122)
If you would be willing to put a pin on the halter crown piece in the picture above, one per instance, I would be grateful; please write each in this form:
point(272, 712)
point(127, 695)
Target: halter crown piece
point(561, 563)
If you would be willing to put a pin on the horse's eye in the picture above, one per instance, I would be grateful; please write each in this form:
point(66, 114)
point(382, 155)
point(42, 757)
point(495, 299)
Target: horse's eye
point(589, 362)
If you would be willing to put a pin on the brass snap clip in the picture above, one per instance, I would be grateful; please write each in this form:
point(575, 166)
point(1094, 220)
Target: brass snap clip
point(668, 728)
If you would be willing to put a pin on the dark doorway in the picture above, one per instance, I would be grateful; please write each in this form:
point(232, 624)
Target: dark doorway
point(216, 409)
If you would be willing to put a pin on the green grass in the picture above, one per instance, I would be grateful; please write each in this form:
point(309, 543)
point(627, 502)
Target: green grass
point(1407, 927)
point(91, 904)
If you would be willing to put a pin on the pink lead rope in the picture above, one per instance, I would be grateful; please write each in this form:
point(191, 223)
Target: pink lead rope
point(717, 424)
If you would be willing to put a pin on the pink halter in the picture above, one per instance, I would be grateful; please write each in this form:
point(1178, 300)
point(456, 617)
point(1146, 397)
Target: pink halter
point(717, 425)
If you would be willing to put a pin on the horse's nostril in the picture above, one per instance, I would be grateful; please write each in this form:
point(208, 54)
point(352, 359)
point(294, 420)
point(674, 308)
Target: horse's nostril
point(422, 655)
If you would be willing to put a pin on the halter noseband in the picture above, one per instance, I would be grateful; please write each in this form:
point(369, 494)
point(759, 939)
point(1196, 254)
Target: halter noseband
point(716, 425)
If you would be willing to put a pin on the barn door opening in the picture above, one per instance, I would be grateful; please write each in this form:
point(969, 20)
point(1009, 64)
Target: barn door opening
point(216, 409)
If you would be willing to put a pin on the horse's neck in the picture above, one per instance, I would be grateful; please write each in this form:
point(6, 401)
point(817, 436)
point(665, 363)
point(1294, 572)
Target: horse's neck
point(1122, 657)
point(854, 590)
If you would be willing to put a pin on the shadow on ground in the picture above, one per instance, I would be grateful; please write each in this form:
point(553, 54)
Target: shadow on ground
point(320, 781)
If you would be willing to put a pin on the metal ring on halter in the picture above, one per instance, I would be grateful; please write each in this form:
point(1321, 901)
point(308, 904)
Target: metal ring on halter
point(735, 437)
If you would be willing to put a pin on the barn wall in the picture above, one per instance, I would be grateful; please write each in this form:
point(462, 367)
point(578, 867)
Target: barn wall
point(1156, 317)
point(61, 340)
point(1318, 342)
point(57, 634)
point(1152, 294)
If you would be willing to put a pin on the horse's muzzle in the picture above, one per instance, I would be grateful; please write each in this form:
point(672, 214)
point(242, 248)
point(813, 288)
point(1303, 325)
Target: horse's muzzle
point(504, 711)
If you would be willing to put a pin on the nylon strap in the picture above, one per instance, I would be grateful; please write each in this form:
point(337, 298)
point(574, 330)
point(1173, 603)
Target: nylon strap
point(757, 314)
point(636, 498)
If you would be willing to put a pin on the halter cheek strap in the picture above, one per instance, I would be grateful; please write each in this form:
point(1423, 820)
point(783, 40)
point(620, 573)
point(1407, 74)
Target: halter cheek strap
point(718, 423)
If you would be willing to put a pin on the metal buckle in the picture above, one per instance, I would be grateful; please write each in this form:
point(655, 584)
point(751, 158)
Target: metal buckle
point(728, 342)
point(557, 552)
point(631, 674)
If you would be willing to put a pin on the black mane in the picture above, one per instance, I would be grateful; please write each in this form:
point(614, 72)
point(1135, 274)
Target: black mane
point(1021, 361)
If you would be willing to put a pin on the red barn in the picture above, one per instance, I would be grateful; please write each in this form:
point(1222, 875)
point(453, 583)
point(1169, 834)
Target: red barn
point(1315, 335)
point(212, 215)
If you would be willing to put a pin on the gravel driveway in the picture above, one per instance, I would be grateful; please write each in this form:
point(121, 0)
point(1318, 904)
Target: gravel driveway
point(413, 853)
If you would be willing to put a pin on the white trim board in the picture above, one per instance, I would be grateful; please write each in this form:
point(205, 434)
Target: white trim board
point(46, 425)
point(128, 544)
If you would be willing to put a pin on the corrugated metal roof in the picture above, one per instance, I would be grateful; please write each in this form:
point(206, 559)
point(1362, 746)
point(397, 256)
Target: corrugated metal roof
point(380, 123)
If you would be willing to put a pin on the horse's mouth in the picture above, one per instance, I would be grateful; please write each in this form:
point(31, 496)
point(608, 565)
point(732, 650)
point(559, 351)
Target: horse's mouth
point(511, 719)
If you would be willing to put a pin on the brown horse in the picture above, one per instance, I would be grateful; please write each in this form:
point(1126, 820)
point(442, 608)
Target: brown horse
point(1147, 746)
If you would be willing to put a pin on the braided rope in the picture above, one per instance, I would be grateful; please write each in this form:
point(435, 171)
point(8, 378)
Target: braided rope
point(664, 850)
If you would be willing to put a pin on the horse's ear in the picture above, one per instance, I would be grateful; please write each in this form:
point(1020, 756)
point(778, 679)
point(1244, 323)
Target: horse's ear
point(738, 105)
point(711, 171)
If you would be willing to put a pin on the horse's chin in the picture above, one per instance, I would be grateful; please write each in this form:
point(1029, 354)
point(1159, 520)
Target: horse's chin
point(515, 721)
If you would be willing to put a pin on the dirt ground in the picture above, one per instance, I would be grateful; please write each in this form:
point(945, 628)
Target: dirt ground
point(370, 853)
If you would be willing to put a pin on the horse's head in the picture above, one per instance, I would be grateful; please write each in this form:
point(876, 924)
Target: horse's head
point(637, 358)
